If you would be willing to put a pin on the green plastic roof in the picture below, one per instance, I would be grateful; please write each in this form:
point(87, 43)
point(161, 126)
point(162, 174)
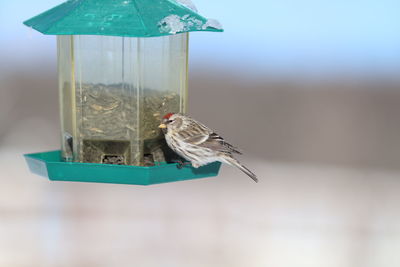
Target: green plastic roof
point(132, 18)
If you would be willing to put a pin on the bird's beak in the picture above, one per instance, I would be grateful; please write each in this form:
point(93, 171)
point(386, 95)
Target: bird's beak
point(162, 126)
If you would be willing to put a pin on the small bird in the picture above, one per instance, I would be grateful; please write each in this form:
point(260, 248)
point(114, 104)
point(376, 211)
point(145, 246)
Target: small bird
point(198, 144)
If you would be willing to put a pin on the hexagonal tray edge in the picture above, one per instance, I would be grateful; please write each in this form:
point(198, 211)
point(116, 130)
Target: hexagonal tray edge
point(50, 165)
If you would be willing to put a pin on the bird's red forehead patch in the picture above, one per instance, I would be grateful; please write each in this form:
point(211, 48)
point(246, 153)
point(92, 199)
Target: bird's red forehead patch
point(168, 116)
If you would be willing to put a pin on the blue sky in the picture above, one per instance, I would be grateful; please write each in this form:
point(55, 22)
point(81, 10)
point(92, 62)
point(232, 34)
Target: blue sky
point(282, 37)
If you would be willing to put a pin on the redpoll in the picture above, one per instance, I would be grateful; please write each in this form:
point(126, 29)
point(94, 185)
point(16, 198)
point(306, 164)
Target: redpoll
point(198, 144)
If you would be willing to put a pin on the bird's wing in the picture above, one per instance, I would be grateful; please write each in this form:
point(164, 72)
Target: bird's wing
point(203, 136)
point(197, 135)
point(216, 142)
point(213, 141)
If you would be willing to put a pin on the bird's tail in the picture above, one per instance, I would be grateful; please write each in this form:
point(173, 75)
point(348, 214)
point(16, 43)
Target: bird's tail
point(232, 161)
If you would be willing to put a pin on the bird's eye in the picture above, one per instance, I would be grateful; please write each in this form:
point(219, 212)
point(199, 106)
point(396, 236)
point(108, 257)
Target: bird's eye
point(170, 121)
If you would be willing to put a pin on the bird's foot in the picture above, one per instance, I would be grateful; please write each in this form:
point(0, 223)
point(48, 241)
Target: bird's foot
point(181, 164)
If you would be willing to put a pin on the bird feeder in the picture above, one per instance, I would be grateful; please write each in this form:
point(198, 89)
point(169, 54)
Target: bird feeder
point(122, 65)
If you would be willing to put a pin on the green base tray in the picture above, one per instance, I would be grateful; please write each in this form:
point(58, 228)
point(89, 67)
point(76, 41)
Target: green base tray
point(49, 164)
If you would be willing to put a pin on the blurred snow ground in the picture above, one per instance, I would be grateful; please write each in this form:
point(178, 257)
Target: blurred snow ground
point(297, 215)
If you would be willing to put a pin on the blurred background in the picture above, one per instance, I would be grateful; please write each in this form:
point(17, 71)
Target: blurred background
point(310, 90)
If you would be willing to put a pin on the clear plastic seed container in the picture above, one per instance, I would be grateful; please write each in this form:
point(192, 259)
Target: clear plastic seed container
point(114, 92)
